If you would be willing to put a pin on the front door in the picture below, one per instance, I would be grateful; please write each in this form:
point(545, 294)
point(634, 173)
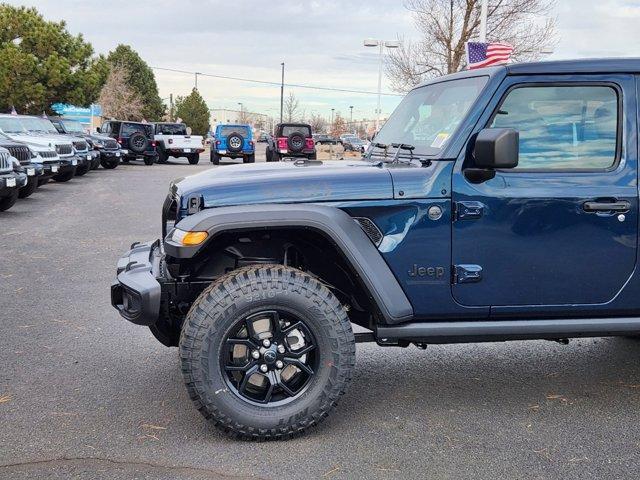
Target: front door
point(561, 228)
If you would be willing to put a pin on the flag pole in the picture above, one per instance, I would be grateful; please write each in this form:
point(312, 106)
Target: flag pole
point(483, 20)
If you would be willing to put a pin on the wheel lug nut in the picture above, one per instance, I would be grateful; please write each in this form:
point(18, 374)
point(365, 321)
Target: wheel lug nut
point(263, 368)
point(255, 354)
point(281, 348)
point(266, 343)
point(279, 364)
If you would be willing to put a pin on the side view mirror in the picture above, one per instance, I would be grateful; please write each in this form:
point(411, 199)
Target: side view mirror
point(98, 129)
point(189, 130)
point(496, 148)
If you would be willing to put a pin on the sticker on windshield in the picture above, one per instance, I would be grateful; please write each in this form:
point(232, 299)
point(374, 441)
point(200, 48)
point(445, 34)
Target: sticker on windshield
point(438, 142)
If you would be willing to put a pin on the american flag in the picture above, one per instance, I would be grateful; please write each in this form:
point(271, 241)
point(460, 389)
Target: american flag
point(481, 54)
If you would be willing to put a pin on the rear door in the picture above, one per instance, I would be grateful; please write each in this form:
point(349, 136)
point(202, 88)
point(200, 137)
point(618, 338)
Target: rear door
point(560, 230)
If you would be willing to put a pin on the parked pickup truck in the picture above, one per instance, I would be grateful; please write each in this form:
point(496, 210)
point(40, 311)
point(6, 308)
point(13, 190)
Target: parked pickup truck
point(175, 140)
point(496, 204)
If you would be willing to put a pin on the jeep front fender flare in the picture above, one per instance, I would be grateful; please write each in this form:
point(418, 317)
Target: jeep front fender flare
point(335, 224)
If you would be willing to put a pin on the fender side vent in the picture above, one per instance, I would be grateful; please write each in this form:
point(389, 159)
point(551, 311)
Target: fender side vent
point(371, 229)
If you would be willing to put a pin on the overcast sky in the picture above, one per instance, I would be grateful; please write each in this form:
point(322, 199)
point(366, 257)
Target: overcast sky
point(320, 42)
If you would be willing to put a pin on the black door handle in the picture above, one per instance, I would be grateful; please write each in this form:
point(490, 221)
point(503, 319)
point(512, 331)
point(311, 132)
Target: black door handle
point(593, 206)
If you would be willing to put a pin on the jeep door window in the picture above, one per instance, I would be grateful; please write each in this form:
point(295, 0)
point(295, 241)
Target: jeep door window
point(428, 116)
point(11, 125)
point(289, 129)
point(562, 127)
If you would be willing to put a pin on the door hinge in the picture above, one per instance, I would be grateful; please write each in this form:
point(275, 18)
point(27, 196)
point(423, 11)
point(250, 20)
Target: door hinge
point(468, 210)
point(467, 273)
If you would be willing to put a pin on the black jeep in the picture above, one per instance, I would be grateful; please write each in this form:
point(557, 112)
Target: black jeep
point(291, 140)
point(135, 139)
point(104, 150)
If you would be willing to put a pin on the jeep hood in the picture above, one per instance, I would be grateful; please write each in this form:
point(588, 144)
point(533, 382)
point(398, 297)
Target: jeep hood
point(287, 182)
point(45, 140)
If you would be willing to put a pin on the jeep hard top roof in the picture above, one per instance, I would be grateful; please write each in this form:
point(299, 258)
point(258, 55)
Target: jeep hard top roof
point(554, 67)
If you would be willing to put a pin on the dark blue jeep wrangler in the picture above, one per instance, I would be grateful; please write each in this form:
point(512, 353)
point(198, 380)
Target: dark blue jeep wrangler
point(496, 204)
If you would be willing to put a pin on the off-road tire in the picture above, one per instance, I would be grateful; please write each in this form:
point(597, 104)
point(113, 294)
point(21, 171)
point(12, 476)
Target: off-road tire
point(150, 159)
point(64, 177)
point(194, 159)
point(109, 164)
point(43, 181)
point(296, 142)
point(28, 189)
point(214, 157)
point(249, 158)
point(138, 142)
point(7, 202)
point(82, 170)
point(241, 293)
point(162, 156)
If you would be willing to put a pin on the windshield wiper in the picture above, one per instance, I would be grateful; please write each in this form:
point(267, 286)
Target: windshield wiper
point(398, 156)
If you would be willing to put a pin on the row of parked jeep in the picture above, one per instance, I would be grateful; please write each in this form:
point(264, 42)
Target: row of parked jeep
point(35, 150)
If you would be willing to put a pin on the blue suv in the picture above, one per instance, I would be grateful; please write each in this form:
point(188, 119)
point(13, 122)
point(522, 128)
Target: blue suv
point(233, 141)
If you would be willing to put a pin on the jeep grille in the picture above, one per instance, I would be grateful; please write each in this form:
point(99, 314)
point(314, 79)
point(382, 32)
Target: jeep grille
point(48, 154)
point(5, 162)
point(81, 146)
point(21, 153)
point(112, 144)
point(371, 229)
point(64, 149)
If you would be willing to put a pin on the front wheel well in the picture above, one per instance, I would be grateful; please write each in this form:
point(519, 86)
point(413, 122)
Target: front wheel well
point(306, 249)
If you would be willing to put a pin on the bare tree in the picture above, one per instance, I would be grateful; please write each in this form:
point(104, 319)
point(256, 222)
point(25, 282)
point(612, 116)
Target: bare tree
point(118, 100)
point(446, 25)
point(339, 126)
point(318, 123)
point(291, 105)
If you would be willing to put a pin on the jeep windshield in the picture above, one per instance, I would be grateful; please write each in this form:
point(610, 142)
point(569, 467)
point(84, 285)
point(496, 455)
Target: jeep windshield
point(70, 126)
point(171, 129)
point(39, 125)
point(11, 125)
point(429, 116)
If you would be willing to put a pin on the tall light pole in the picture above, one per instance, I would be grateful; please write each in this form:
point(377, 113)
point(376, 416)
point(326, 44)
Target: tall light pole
point(351, 117)
point(483, 20)
point(282, 92)
point(370, 42)
point(196, 74)
point(332, 110)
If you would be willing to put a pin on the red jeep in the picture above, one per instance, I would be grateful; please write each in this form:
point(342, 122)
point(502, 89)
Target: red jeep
point(291, 140)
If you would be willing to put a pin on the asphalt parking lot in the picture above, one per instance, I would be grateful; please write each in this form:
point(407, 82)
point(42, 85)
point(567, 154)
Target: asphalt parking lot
point(84, 394)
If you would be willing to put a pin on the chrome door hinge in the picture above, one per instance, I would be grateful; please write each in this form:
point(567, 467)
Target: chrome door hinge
point(467, 273)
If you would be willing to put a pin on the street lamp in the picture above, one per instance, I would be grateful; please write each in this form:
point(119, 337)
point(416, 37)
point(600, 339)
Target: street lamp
point(332, 110)
point(371, 42)
point(351, 117)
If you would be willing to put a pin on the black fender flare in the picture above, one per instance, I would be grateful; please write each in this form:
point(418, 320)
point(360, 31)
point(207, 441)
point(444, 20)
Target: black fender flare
point(335, 224)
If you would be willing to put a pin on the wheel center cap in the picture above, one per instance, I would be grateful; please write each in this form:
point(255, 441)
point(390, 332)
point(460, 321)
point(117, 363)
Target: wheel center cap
point(270, 356)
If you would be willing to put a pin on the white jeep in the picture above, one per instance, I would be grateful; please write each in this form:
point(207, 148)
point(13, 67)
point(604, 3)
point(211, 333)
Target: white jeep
point(175, 140)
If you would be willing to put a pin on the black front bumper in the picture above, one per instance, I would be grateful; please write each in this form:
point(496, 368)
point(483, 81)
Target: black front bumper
point(136, 292)
point(110, 155)
point(68, 164)
point(9, 183)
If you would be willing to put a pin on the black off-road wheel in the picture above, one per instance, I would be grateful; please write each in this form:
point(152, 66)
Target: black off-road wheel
point(162, 156)
point(29, 188)
point(214, 157)
point(82, 170)
point(109, 164)
point(9, 201)
point(150, 159)
point(194, 158)
point(64, 177)
point(249, 158)
point(266, 352)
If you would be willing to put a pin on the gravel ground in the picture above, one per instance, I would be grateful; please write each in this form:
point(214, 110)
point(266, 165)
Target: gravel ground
point(84, 394)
